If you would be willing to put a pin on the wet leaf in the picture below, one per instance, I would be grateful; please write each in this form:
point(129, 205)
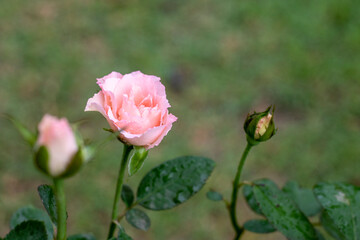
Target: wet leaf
point(250, 199)
point(282, 212)
point(127, 195)
point(122, 235)
point(342, 209)
point(214, 196)
point(319, 235)
point(330, 227)
point(29, 230)
point(304, 198)
point(259, 226)
point(47, 196)
point(174, 182)
point(30, 213)
point(138, 219)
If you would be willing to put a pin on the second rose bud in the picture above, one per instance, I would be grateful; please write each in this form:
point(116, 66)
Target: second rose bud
point(58, 153)
point(260, 126)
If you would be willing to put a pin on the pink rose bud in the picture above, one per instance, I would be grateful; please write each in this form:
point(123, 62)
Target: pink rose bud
point(57, 148)
point(260, 126)
point(134, 105)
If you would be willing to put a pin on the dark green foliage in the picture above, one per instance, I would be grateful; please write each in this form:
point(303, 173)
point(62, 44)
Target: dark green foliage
point(127, 195)
point(28, 230)
point(214, 196)
point(342, 209)
point(282, 212)
point(122, 235)
point(47, 196)
point(138, 219)
point(319, 235)
point(30, 213)
point(173, 182)
point(330, 226)
point(250, 199)
point(259, 226)
point(304, 198)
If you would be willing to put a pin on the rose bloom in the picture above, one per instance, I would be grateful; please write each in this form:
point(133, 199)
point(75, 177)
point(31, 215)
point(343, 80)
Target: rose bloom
point(59, 139)
point(134, 104)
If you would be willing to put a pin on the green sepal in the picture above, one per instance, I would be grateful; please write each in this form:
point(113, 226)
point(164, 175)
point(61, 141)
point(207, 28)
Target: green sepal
point(88, 153)
point(109, 130)
point(27, 135)
point(251, 141)
point(41, 159)
point(251, 123)
point(137, 160)
point(74, 165)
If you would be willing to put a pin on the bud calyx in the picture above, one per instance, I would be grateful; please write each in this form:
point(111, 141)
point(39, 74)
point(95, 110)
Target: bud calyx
point(260, 126)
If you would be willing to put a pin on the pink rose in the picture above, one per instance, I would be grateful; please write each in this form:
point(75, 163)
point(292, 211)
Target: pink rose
point(58, 138)
point(134, 104)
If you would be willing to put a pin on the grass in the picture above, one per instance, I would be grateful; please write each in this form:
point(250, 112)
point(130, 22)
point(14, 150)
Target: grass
point(219, 60)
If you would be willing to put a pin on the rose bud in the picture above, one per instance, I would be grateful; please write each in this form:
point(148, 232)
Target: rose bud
point(57, 152)
point(137, 159)
point(260, 126)
point(135, 106)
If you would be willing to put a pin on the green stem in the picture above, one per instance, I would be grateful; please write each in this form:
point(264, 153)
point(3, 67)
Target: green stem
point(61, 208)
point(120, 181)
point(232, 208)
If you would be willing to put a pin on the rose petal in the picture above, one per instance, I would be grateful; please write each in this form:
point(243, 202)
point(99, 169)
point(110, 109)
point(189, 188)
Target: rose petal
point(136, 105)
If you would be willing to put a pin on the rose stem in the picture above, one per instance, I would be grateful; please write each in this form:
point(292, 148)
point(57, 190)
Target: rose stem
point(232, 208)
point(120, 180)
point(61, 208)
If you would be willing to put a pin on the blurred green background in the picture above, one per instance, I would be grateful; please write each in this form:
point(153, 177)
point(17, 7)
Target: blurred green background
point(219, 60)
